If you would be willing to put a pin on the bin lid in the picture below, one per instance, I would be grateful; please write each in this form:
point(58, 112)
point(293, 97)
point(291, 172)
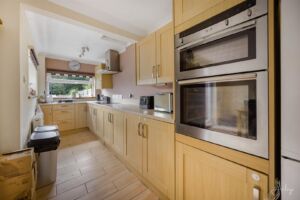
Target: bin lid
point(46, 128)
point(44, 141)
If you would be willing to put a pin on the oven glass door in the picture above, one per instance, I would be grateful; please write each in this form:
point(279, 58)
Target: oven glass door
point(228, 110)
point(233, 48)
point(227, 107)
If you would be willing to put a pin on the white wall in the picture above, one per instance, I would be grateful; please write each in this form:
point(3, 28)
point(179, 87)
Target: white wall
point(41, 74)
point(28, 77)
point(10, 75)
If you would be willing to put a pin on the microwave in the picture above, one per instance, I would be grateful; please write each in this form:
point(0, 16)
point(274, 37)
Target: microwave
point(222, 79)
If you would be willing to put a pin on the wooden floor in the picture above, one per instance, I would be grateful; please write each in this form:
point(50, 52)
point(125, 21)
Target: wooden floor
point(88, 170)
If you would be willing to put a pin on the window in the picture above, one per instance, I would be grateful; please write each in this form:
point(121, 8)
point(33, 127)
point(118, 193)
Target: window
point(70, 86)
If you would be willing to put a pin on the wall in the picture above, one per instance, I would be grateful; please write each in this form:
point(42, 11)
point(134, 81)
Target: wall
point(10, 76)
point(124, 82)
point(28, 75)
point(41, 74)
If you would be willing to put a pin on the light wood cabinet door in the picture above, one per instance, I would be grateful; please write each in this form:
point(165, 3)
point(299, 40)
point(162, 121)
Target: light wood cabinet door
point(118, 121)
point(200, 175)
point(188, 13)
point(165, 54)
point(187, 9)
point(133, 142)
point(108, 127)
point(48, 114)
point(158, 155)
point(100, 123)
point(81, 115)
point(146, 60)
point(89, 116)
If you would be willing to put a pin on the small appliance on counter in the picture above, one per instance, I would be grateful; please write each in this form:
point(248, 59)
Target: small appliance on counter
point(103, 99)
point(147, 102)
point(163, 102)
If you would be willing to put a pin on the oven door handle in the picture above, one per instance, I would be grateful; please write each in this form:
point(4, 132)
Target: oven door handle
point(229, 78)
point(220, 34)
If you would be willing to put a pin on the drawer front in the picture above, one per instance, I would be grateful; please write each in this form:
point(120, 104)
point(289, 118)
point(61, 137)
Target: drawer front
point(47, 110)
point(63, 107)
point(65, 125)
point(63, 115)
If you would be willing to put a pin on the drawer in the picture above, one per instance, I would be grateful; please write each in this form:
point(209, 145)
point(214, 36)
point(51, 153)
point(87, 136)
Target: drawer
point(63, 107)
point(63, 115)
point(64, 125)
point(47, 110)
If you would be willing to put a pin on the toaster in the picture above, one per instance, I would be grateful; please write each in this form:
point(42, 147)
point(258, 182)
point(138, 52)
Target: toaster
point(163, 102)
point(147, 102)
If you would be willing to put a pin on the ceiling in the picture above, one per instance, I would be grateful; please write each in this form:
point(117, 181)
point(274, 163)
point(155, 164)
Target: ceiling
point(59, 39)
point(140, 17)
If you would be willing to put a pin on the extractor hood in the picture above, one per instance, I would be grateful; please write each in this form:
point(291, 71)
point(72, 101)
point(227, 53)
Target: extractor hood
point(112, 63)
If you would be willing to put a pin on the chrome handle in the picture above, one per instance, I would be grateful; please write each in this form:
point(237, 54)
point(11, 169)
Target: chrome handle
point(238, 77)
point(220, 34)
point(255, 193)
point(139, 129)
point(145, 134)
point(153, 71)
point(157, 71)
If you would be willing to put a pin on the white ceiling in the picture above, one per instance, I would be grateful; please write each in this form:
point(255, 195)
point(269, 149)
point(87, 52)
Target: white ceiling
point(140, 17)
point(60, 39)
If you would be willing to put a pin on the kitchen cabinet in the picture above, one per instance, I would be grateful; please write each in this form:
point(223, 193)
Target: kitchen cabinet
point(165, 54)
point(81, 115)
point(150, 150)
point(48, 114)
point(133, 147)
point(118, 131)
point(103, 81)
point(92, 118)
point(99, 123)
point(200, 175)
point(188, 13)
point(64, 116)
point(108, 127)
point(146, 60)
point(158, 155)
point(155, 57)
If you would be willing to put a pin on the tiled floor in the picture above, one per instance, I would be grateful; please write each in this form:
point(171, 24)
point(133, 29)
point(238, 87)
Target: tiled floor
point(88, 170)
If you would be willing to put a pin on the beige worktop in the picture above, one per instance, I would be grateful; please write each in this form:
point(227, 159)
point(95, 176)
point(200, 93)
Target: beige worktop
point(129, 108)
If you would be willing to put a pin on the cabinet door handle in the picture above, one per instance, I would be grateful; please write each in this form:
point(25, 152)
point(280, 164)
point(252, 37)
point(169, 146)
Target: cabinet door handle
point(139, 129)
point(157, 71)
point(153, 71)
point(144, 132)
point(255, 193)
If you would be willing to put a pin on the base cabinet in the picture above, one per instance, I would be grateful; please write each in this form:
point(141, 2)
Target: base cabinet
point(80, 115)
point(150, 150)
point(118, 132)
point(99, 123)
point(200, 175)
point(48, 114)
point(108, 127)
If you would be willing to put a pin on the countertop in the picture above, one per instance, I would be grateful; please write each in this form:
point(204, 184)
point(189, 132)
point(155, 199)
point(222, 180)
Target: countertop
point(129, 108)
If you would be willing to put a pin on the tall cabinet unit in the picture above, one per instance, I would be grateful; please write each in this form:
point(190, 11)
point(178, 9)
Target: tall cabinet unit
point(155, 57)
point(150, 150)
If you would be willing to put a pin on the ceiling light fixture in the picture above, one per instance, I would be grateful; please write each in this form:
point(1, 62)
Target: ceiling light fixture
point(83, 51)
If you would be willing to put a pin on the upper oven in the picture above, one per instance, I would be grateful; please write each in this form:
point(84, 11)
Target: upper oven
point(233, 42)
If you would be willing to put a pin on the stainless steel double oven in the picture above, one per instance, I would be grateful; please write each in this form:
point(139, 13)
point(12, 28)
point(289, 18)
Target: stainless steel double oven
point(222, 79)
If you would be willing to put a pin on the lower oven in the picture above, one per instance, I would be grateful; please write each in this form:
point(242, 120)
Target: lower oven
point(230, 110)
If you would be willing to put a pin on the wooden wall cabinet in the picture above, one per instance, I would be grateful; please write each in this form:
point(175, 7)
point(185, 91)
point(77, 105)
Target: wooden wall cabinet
point(188, 13)
point(150, 150)
point(200, 175)
point(155, 57)
point(103, 81)
point(48, 114)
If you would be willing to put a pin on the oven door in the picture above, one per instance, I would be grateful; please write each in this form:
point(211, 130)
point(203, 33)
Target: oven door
point(237, 49)
point(230, 110)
